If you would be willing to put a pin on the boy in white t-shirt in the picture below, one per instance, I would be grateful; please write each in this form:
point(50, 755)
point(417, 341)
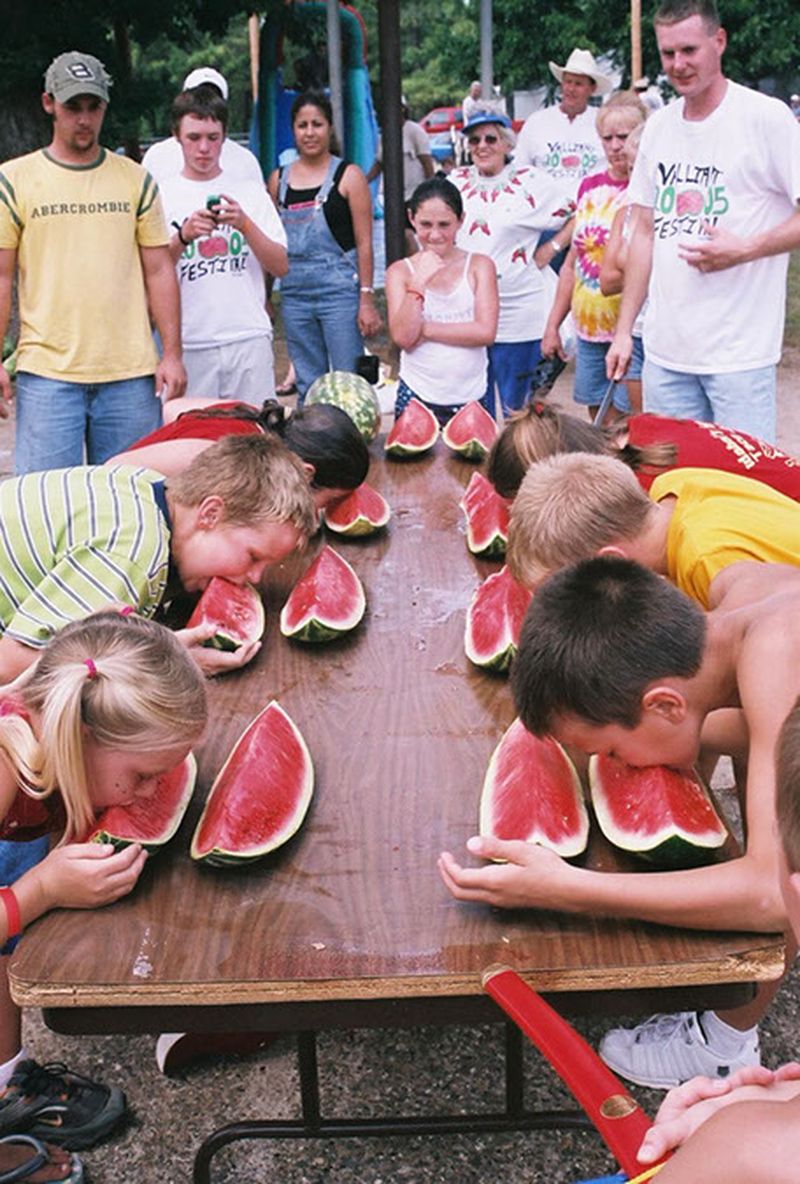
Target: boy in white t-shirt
point(227, 235)
point(715, 190)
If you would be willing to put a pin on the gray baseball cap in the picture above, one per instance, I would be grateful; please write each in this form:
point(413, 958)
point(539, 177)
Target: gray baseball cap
point(76, 73)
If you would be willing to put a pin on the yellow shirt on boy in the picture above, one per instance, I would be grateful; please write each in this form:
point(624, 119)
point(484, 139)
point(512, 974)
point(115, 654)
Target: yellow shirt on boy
point(77, 230)
point(722, 518)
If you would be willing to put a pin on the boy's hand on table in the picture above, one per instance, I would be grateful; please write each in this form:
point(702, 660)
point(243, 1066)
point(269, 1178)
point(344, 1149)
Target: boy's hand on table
point(531, 876)
point(213, 661)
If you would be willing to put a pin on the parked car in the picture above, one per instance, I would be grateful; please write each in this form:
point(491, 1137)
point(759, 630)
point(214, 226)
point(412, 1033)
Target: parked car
point(442, 146)
point(441, 119)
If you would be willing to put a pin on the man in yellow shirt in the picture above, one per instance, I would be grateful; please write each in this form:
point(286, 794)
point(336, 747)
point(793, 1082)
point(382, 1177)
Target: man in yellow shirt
point(84, 230)
point(693, 524)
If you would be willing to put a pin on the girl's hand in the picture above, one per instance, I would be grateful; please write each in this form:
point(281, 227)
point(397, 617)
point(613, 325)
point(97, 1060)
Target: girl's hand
point(213, 661)
point(87, 875)
point(551, 344)
point(369, 319)
point(426, 264)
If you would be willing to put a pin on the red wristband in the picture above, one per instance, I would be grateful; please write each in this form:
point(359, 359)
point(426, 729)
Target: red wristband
point(13, 916)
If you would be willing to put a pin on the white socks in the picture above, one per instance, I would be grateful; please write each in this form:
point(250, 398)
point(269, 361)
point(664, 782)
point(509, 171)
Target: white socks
point(7, 1070)
point(722, 1038)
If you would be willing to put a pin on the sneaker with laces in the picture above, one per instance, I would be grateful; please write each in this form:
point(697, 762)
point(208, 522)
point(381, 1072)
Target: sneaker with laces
point(51, 1103)
point(667, 1050)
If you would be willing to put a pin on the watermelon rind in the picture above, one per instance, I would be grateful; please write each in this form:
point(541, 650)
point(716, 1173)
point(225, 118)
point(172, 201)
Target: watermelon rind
point(664, 816)
point(269, 759)
point(237, 610)
point(532, 792)
point(123, 825)
point(471, 432)
point(353, 395)
point(494, 620)
point(487, 516)
point(415, 431)
point(361, 513)
point(327, 601)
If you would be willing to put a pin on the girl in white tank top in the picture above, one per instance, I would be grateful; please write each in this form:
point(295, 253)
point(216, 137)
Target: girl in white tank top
point(442, 308)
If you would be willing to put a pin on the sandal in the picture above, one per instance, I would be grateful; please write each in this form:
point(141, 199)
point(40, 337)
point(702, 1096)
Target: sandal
point(40, 1158)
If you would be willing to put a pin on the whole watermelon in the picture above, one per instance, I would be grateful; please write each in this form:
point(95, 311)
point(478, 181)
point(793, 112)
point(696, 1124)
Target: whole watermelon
point(352, 394)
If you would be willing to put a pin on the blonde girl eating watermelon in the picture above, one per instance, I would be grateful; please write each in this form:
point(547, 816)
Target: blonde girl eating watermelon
point(443, 305)
point(112, 702)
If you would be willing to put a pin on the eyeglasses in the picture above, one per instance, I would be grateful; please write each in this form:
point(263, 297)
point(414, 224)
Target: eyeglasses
point(488, 137)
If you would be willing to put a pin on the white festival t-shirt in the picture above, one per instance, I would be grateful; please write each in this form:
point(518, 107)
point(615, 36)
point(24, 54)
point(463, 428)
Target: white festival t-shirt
point(164, 159)
point(738, 169)
point(567, 149)
point(504, 216)
point(221, 281)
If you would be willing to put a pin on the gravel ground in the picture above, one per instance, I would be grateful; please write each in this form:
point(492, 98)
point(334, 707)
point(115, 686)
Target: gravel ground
point(453, 1070)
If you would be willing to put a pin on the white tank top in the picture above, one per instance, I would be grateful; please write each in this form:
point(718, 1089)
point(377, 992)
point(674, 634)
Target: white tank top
point(446, 374)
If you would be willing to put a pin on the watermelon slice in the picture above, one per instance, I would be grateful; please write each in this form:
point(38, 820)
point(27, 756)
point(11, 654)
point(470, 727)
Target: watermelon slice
point(352, 394)
point(260, 795)
point(361, 513)
point(487, 518)
point(236, 609)
point(150, 821)
point(325, 602)
point(663, 815)
point(414, 431)
point(471, 432)
point(494, 620)
point(532, 792)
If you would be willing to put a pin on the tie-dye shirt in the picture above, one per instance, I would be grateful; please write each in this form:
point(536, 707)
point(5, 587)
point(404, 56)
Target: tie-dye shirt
point(599, 198)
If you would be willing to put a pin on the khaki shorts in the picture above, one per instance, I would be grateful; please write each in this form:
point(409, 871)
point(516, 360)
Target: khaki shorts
point(241, 370)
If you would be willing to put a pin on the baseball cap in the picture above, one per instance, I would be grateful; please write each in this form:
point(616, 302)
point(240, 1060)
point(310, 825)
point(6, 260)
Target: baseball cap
point(481, 117)
point(206, 75)
point(75, 73)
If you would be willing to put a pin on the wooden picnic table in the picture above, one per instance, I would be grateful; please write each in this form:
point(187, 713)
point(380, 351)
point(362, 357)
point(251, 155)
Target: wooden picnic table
point(349, 924)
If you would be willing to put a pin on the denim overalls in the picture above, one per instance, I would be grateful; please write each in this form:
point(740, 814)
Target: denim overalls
point(319, 294)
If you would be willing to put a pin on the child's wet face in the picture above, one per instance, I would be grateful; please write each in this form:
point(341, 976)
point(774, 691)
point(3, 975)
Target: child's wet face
point(655, 740)
point(239, 553)
point(120, 778)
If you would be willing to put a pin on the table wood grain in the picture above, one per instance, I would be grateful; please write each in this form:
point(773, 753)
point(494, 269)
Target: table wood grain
point(401, 728)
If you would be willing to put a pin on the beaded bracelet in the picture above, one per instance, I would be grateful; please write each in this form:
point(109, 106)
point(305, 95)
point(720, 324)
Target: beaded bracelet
point(13, 917)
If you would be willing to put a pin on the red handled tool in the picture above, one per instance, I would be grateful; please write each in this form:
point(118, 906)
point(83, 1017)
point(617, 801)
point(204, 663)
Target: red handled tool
point(619, 1119)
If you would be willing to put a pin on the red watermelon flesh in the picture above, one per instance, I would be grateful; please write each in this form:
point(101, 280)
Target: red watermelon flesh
point(471, 432)
point(663, 815)
point(487, 518)
point(414, 431)
point(326, 601)
point(150, 821)
point(532, 792)
point(260, 795)
point(494, 621)
point(237, 611)
point(362, 512)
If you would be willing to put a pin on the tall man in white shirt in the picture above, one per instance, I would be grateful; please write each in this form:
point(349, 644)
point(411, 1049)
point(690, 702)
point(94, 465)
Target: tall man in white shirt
point(715, 191)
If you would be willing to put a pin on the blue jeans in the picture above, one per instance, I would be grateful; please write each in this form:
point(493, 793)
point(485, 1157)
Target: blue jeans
point(744, 400)
point(512, 365)
point(61, 424)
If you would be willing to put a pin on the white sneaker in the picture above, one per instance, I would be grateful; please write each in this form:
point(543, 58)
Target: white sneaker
point(667, 1050)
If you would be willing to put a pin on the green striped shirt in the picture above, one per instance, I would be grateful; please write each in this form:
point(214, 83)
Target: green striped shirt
point(73, 541)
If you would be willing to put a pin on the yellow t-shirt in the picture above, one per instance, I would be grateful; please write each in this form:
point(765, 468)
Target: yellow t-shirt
point(77, 232)
point(722, 518)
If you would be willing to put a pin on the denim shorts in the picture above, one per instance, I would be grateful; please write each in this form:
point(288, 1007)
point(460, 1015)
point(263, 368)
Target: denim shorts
point(591, 382)
point(444, 412)
point(16, 859)
point(744, 400)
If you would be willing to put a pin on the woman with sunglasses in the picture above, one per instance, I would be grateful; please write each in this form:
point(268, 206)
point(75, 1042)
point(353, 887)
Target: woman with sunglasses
point(505, 211)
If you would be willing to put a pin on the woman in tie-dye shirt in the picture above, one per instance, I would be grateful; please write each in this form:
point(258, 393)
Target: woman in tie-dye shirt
point(595, 315)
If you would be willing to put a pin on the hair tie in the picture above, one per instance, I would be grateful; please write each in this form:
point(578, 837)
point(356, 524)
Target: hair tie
point(538, 407)
point(90, 666)
point(127, 610)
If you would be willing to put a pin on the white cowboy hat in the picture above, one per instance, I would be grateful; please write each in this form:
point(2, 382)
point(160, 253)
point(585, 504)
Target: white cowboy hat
point(581, 61)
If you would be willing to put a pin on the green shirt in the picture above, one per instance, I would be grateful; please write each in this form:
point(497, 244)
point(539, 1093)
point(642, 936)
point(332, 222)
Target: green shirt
point(75, 541)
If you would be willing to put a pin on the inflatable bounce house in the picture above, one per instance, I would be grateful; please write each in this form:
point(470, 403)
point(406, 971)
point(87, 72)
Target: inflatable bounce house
point(292, 58)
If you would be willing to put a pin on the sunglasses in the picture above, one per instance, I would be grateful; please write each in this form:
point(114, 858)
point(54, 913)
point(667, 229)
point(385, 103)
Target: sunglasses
point(488, 137)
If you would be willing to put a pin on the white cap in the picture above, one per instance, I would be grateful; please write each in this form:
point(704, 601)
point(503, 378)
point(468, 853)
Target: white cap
point(206, 74)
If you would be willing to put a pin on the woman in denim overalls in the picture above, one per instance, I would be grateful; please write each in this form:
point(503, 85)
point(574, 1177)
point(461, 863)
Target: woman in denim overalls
point(327, 296)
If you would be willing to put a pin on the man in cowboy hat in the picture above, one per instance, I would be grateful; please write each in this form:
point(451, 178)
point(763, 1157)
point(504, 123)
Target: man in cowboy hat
point(563, 140)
